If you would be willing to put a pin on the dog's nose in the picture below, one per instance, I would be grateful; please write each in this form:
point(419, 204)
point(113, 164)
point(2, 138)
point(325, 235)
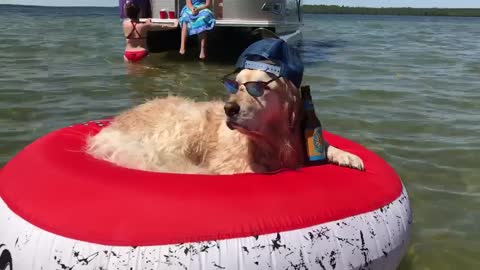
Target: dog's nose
point(231, 108)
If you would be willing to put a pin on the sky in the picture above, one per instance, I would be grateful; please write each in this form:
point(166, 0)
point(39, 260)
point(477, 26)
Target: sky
point(351, 3)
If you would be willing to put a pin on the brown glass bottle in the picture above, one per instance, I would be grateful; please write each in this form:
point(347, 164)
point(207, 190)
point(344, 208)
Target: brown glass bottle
point(315, 145)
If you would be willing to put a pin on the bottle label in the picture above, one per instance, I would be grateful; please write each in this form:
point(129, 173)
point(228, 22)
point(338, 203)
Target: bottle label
point(315, 145)
point(308, 105)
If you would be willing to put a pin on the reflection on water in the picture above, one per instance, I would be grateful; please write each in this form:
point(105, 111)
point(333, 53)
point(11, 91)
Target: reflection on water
point(315, 51)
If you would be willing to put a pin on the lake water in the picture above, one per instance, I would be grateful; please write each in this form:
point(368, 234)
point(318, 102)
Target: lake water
point(406, 87)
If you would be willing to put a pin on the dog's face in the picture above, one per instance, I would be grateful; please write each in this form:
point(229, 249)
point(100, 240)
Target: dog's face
point(273, 111)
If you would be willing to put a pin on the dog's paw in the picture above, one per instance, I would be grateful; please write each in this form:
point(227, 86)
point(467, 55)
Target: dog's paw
point(344, 158)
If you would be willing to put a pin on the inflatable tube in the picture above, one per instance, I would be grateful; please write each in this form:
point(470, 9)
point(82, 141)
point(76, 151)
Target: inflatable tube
point(62, 209)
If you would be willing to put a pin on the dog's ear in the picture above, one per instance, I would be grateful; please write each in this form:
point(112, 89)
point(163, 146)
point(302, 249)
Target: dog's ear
point(294, 106)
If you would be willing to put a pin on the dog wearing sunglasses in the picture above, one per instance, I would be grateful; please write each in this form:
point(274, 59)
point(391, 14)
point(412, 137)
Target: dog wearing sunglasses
point(256, 130)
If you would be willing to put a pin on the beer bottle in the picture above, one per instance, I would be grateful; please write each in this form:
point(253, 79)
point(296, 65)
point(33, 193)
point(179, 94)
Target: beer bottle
point(315, 146)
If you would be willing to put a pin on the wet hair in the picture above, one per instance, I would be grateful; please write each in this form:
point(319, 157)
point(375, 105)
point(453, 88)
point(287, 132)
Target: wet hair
point(131, 10)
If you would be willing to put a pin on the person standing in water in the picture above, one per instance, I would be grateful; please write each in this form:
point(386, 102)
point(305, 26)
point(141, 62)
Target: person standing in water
point(195, 19)
point(136, 33)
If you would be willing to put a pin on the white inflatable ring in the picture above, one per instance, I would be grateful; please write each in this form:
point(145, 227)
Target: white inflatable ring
point(62, 209)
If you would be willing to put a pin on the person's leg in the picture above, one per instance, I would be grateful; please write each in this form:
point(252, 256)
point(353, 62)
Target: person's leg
point(203, 44)
point(183, 39)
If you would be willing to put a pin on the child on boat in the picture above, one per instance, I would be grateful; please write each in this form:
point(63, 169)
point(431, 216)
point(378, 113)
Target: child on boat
point(195, 19)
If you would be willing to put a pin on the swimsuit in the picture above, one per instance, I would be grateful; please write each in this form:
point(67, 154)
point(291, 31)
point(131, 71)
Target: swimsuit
point(135, 56)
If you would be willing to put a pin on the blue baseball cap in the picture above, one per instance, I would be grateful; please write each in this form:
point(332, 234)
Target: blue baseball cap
point(285, 59)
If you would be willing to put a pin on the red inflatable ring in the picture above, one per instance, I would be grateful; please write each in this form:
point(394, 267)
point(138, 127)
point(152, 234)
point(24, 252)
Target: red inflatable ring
point(52, 185)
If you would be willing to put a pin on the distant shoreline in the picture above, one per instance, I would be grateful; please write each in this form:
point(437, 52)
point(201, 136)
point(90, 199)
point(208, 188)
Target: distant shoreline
point(37, 6)
point(333, 9)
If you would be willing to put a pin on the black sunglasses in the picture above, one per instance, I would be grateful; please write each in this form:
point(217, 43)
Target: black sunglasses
point(254, 88)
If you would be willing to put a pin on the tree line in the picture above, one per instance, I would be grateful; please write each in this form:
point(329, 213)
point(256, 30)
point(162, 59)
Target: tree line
point(332, 9)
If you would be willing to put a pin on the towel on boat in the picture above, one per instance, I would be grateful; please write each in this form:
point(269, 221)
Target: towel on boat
point(201, 22)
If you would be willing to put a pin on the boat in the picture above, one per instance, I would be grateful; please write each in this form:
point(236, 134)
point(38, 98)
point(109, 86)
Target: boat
point(238, 23)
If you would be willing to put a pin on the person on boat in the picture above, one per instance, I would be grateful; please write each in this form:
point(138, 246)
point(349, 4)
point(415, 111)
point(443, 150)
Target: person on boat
point(195, 19)
point(136, 32)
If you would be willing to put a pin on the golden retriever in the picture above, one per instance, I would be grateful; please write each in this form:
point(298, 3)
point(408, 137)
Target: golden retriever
point(245, 134)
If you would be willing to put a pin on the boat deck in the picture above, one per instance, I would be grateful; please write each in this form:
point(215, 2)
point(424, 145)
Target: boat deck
point(234, 23)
